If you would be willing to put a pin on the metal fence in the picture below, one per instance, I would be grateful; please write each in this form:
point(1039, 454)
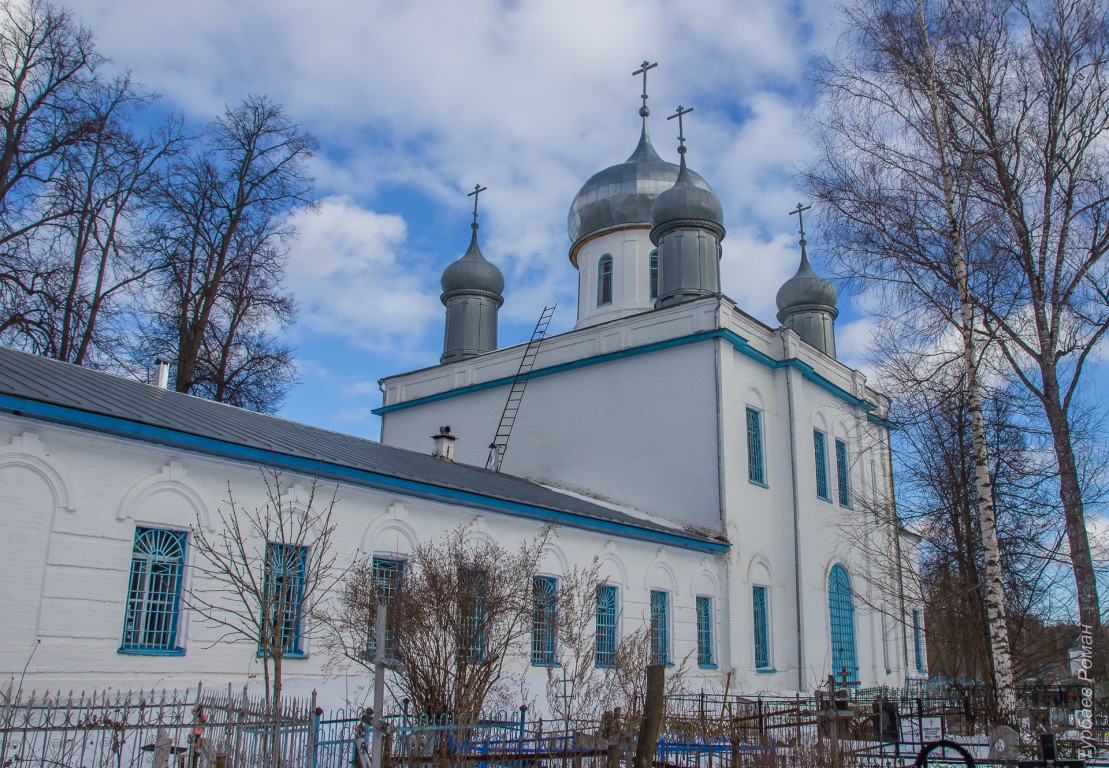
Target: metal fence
point(226, 728)
point(161, 729)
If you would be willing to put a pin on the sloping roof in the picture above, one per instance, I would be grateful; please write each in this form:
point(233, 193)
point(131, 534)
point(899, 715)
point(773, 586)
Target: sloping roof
point(69, 393)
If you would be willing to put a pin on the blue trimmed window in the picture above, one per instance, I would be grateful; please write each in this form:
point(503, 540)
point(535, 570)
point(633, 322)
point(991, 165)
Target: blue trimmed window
point(660, 625)
point(821, 465)
point(653, 267)
point(472, 583)
point(761, 623)
point(154, 592)
point(283, 592)
point(842, 476)
point(604, 280)
point(704, 632)
point(755, 472)
point(841, 611)
point(918, 644)
point(544, 613)
point(604, 656)
point(388, 574)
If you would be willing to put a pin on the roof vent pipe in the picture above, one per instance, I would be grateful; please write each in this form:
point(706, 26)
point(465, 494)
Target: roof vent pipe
point(443, 444)
point(161, 376)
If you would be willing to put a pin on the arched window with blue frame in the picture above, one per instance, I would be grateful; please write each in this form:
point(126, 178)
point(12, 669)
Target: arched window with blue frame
point(841, 611)
point(604, 280)
point(154, 592)
point(654, 274)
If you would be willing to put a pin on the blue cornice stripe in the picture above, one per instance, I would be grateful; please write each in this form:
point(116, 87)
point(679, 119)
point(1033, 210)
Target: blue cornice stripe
point(162, 435)
point(738, 343)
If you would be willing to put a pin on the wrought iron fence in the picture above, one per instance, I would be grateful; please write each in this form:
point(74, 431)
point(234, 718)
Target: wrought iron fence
point(193, 727)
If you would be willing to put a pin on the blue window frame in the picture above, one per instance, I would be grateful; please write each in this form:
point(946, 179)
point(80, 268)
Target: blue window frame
point(755, 472)
point(653, 267)
point(762, 627)
point(821, 465)
point(660, 625)
point(388, 574)
point(472, 584)
point(842, 476)
point(604, 655)
point(544, 636)
point(154, 592)
point(918, 644)
point(841, 610)
point(604, 280)
point(284, 597)
point(704, 632)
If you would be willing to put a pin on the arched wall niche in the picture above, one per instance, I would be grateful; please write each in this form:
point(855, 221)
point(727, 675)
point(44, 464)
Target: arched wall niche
point(27, 451)
point(168, 497)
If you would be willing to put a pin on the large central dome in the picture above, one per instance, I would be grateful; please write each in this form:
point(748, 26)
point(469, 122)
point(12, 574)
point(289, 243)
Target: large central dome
point(622, 194)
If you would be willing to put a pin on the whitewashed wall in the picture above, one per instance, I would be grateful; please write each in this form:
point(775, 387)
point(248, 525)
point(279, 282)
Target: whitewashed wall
point(71, 500)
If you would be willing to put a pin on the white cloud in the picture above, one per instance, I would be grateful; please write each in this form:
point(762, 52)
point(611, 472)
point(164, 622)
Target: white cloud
point(353, 279)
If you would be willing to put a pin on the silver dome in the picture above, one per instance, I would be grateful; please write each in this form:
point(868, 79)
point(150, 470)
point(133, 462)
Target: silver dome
point(687, 201)
point(805, 288)
point(472, 272)
point(623, 193)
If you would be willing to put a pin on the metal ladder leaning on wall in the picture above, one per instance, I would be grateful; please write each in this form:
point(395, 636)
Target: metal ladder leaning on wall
point(516, 394)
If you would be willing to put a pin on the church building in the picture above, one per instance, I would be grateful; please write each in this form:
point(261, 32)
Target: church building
point(732, 480)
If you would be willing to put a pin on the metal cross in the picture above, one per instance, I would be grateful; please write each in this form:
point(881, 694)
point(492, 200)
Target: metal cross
point(644, 111)
point(800, 220)
point(478, 189)
point(681, 138)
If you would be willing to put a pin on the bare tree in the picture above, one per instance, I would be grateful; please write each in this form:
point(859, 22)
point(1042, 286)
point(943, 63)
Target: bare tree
point(888, 149)
point(47, 63)
point(260, 575)
point(104, 184)
point(459, 610)
point(986, 120)
point(584, 682)
point(222, 246)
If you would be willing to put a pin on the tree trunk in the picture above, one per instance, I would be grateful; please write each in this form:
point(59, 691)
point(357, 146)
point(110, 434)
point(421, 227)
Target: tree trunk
point(1070, 493)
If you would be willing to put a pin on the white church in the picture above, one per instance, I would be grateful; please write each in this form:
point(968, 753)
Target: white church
point(729, 477)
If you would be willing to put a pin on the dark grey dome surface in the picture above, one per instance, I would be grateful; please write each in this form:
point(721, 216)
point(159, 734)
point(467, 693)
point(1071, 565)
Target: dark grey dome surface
point(623, 193)
point(472, 272)
point(687, 200)
point(806, 288)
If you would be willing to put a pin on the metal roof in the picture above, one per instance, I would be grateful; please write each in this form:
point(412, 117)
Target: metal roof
point(108, 403)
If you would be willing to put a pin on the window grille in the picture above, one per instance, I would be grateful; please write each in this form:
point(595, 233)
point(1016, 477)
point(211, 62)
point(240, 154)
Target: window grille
point(154, 592)
point(604, 280)
point(471, 606)
point(543, 617)
point(841, 609)
point(284, 597)
point(604, 655)
point(762, 628)
point(842, 476)
point(654, 274)
point(754, 447)
point(918, 643)
point(388, 574)
point(660, 609)
point(821, 465)
point(704, 631)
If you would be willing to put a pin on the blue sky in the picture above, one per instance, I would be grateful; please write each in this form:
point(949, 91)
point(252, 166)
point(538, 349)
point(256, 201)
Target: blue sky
point(414, 103)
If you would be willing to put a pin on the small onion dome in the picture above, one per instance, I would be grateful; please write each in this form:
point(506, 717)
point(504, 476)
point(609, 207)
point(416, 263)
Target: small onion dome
point(806, 289)
point(472, 273)
point(622, 194)
point(687, 201)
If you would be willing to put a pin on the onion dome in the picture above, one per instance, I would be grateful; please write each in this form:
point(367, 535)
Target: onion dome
point(806, 289)
point(687, 201)
point(472, 273)
point(622, 194)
